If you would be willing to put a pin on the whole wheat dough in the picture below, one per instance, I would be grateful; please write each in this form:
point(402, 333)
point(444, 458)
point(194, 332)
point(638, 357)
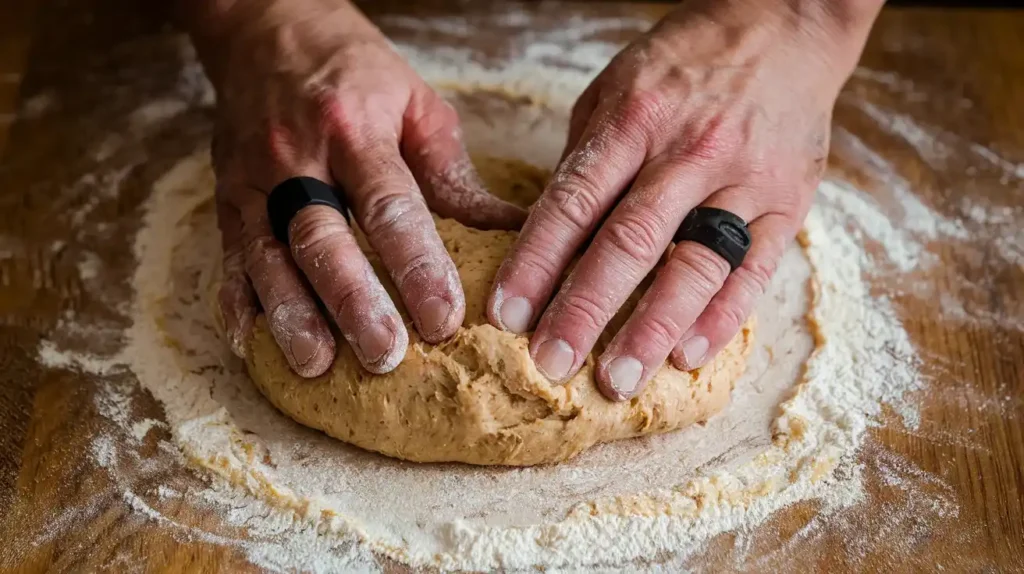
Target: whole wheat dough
point(477, 398)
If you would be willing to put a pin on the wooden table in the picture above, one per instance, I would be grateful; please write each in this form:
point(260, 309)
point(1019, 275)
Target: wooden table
point(69, 72)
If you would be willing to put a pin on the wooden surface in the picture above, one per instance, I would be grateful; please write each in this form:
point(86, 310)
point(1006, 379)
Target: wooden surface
point(71, 72)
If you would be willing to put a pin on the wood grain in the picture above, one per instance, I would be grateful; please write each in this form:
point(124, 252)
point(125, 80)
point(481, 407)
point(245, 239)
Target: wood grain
point(80, 68)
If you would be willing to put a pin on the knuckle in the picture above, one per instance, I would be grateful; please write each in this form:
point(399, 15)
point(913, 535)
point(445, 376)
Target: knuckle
point(261, 251)
point(227, 297)
point(783, 197)
point(234, 263)
point(705, 270)
point(346, 295)
point(385, 211)
point(658, 332)
point(420, 264)
point(584, 311)
point(339, 116)
point(286, 309)
point(713, 143)
point(437, 117)
point(280, 143)
point(725, 318)
point(764, 168)
point(645, 110)
point(316, 234)
point(534, 261)
point(637, 235)
point(573, 202)
point(329, 107)
point(755, 274)
point(291, 312)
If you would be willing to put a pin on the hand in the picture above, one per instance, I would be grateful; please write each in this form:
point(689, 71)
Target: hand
point(311, 88)
point(724, 104)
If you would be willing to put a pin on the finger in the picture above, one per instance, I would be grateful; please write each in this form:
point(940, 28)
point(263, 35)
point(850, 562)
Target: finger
point(391, 211)
point(292, 314)
point(730, 307)
point(325, 249)
point(236, 298)
point(580, 116)
point(623, 252)
point(432, 147)
point(583, 189)
point(679, 293)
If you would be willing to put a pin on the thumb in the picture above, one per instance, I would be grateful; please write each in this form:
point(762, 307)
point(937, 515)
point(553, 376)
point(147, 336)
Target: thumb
point(433, 149)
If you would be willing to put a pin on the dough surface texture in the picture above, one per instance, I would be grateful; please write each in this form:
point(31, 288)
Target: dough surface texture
point(477, 398)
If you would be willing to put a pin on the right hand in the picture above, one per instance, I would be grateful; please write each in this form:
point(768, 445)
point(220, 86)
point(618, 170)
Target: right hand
point(311, 88)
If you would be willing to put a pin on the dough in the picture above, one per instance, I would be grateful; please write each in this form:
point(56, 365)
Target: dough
point(477, 398)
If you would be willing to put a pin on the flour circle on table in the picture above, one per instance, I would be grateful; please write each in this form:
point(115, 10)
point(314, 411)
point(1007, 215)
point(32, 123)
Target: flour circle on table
point(422, 512)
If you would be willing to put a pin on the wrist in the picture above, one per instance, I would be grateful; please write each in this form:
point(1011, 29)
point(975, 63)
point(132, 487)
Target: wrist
point(837, 28)
point(225, 29)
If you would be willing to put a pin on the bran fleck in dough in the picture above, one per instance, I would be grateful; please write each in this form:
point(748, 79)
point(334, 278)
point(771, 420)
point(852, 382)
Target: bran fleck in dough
point(477, 398)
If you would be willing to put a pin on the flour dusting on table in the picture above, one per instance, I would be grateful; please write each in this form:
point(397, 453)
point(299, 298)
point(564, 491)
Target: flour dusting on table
point(311, 503)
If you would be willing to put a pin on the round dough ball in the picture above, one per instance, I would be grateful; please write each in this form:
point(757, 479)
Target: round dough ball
point(477, 398)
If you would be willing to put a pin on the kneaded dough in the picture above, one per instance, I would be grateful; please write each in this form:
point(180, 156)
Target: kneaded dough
point(477, 398)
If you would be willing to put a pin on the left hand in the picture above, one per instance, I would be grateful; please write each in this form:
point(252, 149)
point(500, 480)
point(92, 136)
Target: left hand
point(723, 104)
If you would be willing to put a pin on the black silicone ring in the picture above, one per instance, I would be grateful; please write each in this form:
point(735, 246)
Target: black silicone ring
point(291, 195)
point(719, 230)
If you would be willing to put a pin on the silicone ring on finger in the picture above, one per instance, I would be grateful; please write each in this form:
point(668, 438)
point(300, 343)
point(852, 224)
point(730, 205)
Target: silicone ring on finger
point(291, 195)
point(719, 230)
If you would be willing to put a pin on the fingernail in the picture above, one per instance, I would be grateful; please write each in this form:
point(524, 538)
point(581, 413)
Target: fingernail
point(303, 346)
point(554, 359)
point(694, 350)
point(375, 342)
point(433, 314)
point(516, 314)
point(624, 374)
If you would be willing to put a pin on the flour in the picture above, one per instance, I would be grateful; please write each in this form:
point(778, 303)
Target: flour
point(309, 503)
point(1009, 168)
point(38, 105)
point(972, 216)
point(157, 112)
point(89, 266)
point(104, 452)
point(140, 429)
point(52, 356)
point(925, 141)
point(933, 145)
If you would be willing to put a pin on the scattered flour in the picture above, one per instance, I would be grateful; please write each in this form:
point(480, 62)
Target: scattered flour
point(925, 141)
point(157, 112)
point(104, 452)
point(52, 356)
point(38, 105)
point(140, 429)
point(165, 492)
point(89, 266)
